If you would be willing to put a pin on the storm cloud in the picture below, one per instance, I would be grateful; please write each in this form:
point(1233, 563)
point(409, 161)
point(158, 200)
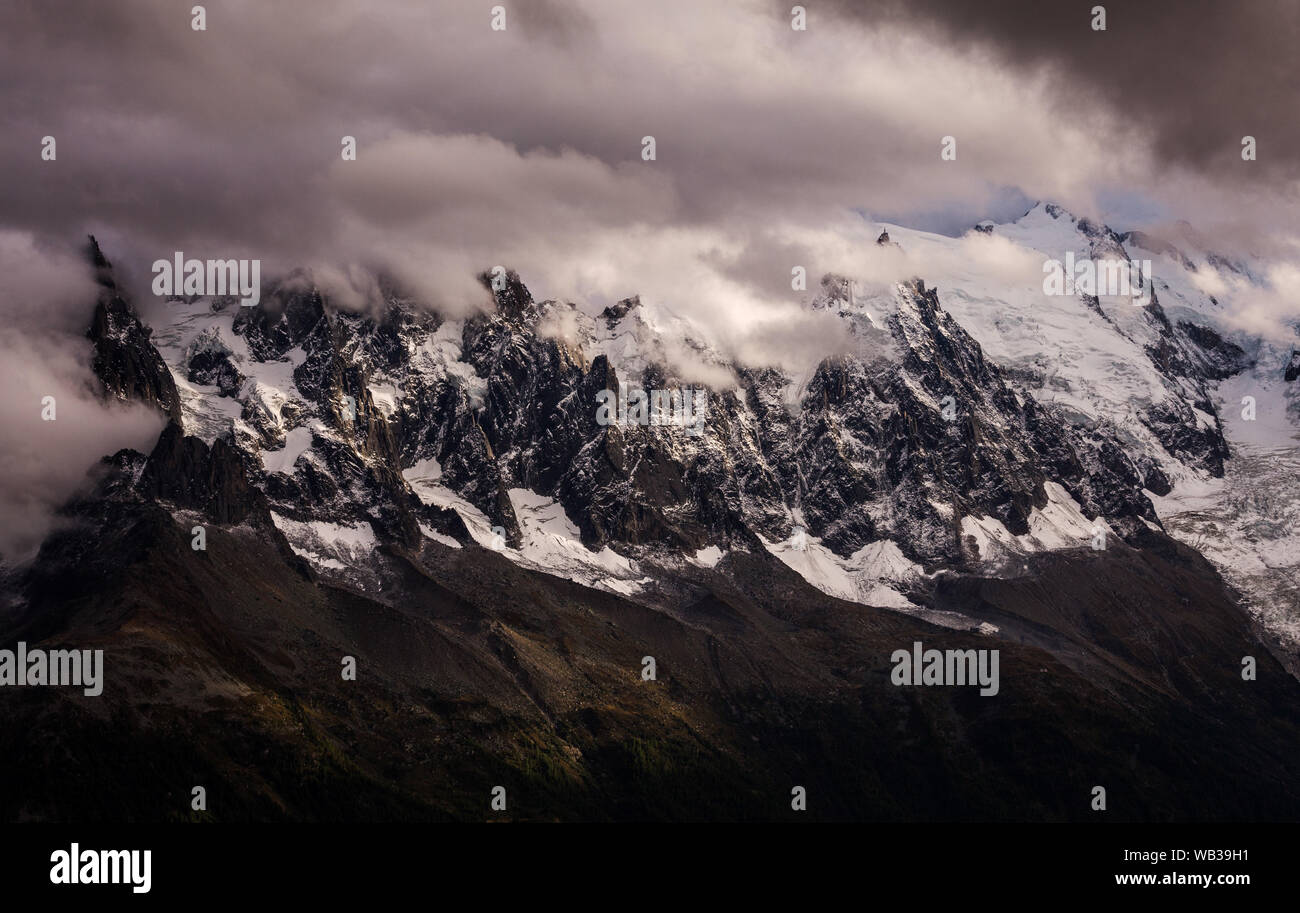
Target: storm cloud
point(478, 147)
point(1192, 77)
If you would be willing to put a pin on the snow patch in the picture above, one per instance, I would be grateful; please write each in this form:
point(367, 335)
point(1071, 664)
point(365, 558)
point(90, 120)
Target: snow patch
point(296, 443)
point(1059, 525)
point(706, 557)
point(552, 543)
point(431, 533)
point(442, 352)
point(385, 397)
point(328, 545)
point(865, 576)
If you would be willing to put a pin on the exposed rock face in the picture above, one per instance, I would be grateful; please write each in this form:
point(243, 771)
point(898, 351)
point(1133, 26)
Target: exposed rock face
point(185, 471)
point(125, 361)
point(283, 319)
point(620, 310)
point(1224, 358)
point(210, 364)
point(1147, 242)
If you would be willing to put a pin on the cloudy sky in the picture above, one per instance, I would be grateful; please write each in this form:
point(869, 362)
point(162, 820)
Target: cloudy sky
point(523, 147)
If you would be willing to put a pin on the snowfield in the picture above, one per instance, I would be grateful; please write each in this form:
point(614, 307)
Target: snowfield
point(1248, 522)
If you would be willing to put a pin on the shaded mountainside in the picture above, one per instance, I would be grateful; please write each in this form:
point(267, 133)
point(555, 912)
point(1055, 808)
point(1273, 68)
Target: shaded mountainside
point(1118, 669)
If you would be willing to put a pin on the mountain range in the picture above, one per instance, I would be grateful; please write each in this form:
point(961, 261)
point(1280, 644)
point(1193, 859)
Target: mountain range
point(1071, 481)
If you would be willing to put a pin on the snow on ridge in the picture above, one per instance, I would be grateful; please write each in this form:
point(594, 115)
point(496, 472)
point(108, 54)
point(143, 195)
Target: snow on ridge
point(182, 328)
point(551, 543)
point(870, 577)
point(652, 334)
point(865, 576)
point(1059, 525)
point(1090, 360)
point(328, 545)
point(176, 326)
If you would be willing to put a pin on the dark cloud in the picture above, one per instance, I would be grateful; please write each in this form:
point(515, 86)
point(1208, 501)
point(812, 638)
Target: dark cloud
point(478, 147)
point(1198, 74)
point(227, 137)
point(557, 20)
point(523, 147)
